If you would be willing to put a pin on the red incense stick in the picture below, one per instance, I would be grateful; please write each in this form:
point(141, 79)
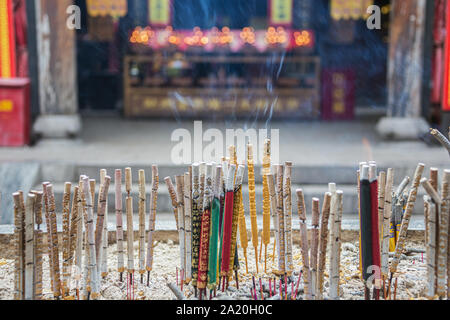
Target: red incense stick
point(227, 225)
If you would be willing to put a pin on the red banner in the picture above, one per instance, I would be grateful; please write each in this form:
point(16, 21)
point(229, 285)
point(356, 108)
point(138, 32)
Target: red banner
point(446, 89)
point(338, 94)
point(7, 40)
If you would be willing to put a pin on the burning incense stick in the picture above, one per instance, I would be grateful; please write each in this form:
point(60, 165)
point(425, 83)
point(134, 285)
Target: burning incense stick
point(29, 248)
point(443, 236)
point(314, 246)
point(141, 211)
point(180, 211)
point(235, 218)
point(91, 239)
point(304, 242)
point(227, 225)
point(119, 225)
point(281, 234)
point(405, 223)
point(266, 204)
point(205, 232)
point(188, 226)
point(386, 223)
point(252, 201)
point(196, 218)
point(152, 220)
point(66, 235)
point(273, 206)
point(214, 235)
point(335, 252)
point(323, 241)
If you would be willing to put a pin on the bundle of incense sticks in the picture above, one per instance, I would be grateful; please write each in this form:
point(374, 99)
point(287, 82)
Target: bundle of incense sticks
point(181, 235)
point(437, 207)
point(405, 222)
point(288, 217)
point(130, 232)
point(399, 200)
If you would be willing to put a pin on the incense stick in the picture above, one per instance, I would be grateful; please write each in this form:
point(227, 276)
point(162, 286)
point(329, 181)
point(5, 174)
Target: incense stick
point(19, 268)
point(91, 239)
point(119, 222)
point(252, 201)
point(443, 236)
point(323, 242)
point(141, 212)
point(205, 232)
point(152, 220)
point(281, 233)
point(39, 246)
point(273, 206)
point(214, 235)
point(180, 211)
point(387, 210)
point(130, 228)
point(29, 248)
point(304, 242)
point(54, 235)
point(236, 209)
point(188, 226)
point(65, 237)
point(381, 203)
point(227, 225)
point(335, 251)
point(314, 246)
point(197, 197)
point(431, 212)
point(287, 217)
point(173, 198)
point(266, 204)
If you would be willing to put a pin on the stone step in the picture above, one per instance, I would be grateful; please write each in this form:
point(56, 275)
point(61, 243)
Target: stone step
point(310, 191)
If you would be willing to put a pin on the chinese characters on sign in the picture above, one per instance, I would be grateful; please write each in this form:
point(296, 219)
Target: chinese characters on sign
point(338, 94)
point(159, 12)
point(280, 12)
